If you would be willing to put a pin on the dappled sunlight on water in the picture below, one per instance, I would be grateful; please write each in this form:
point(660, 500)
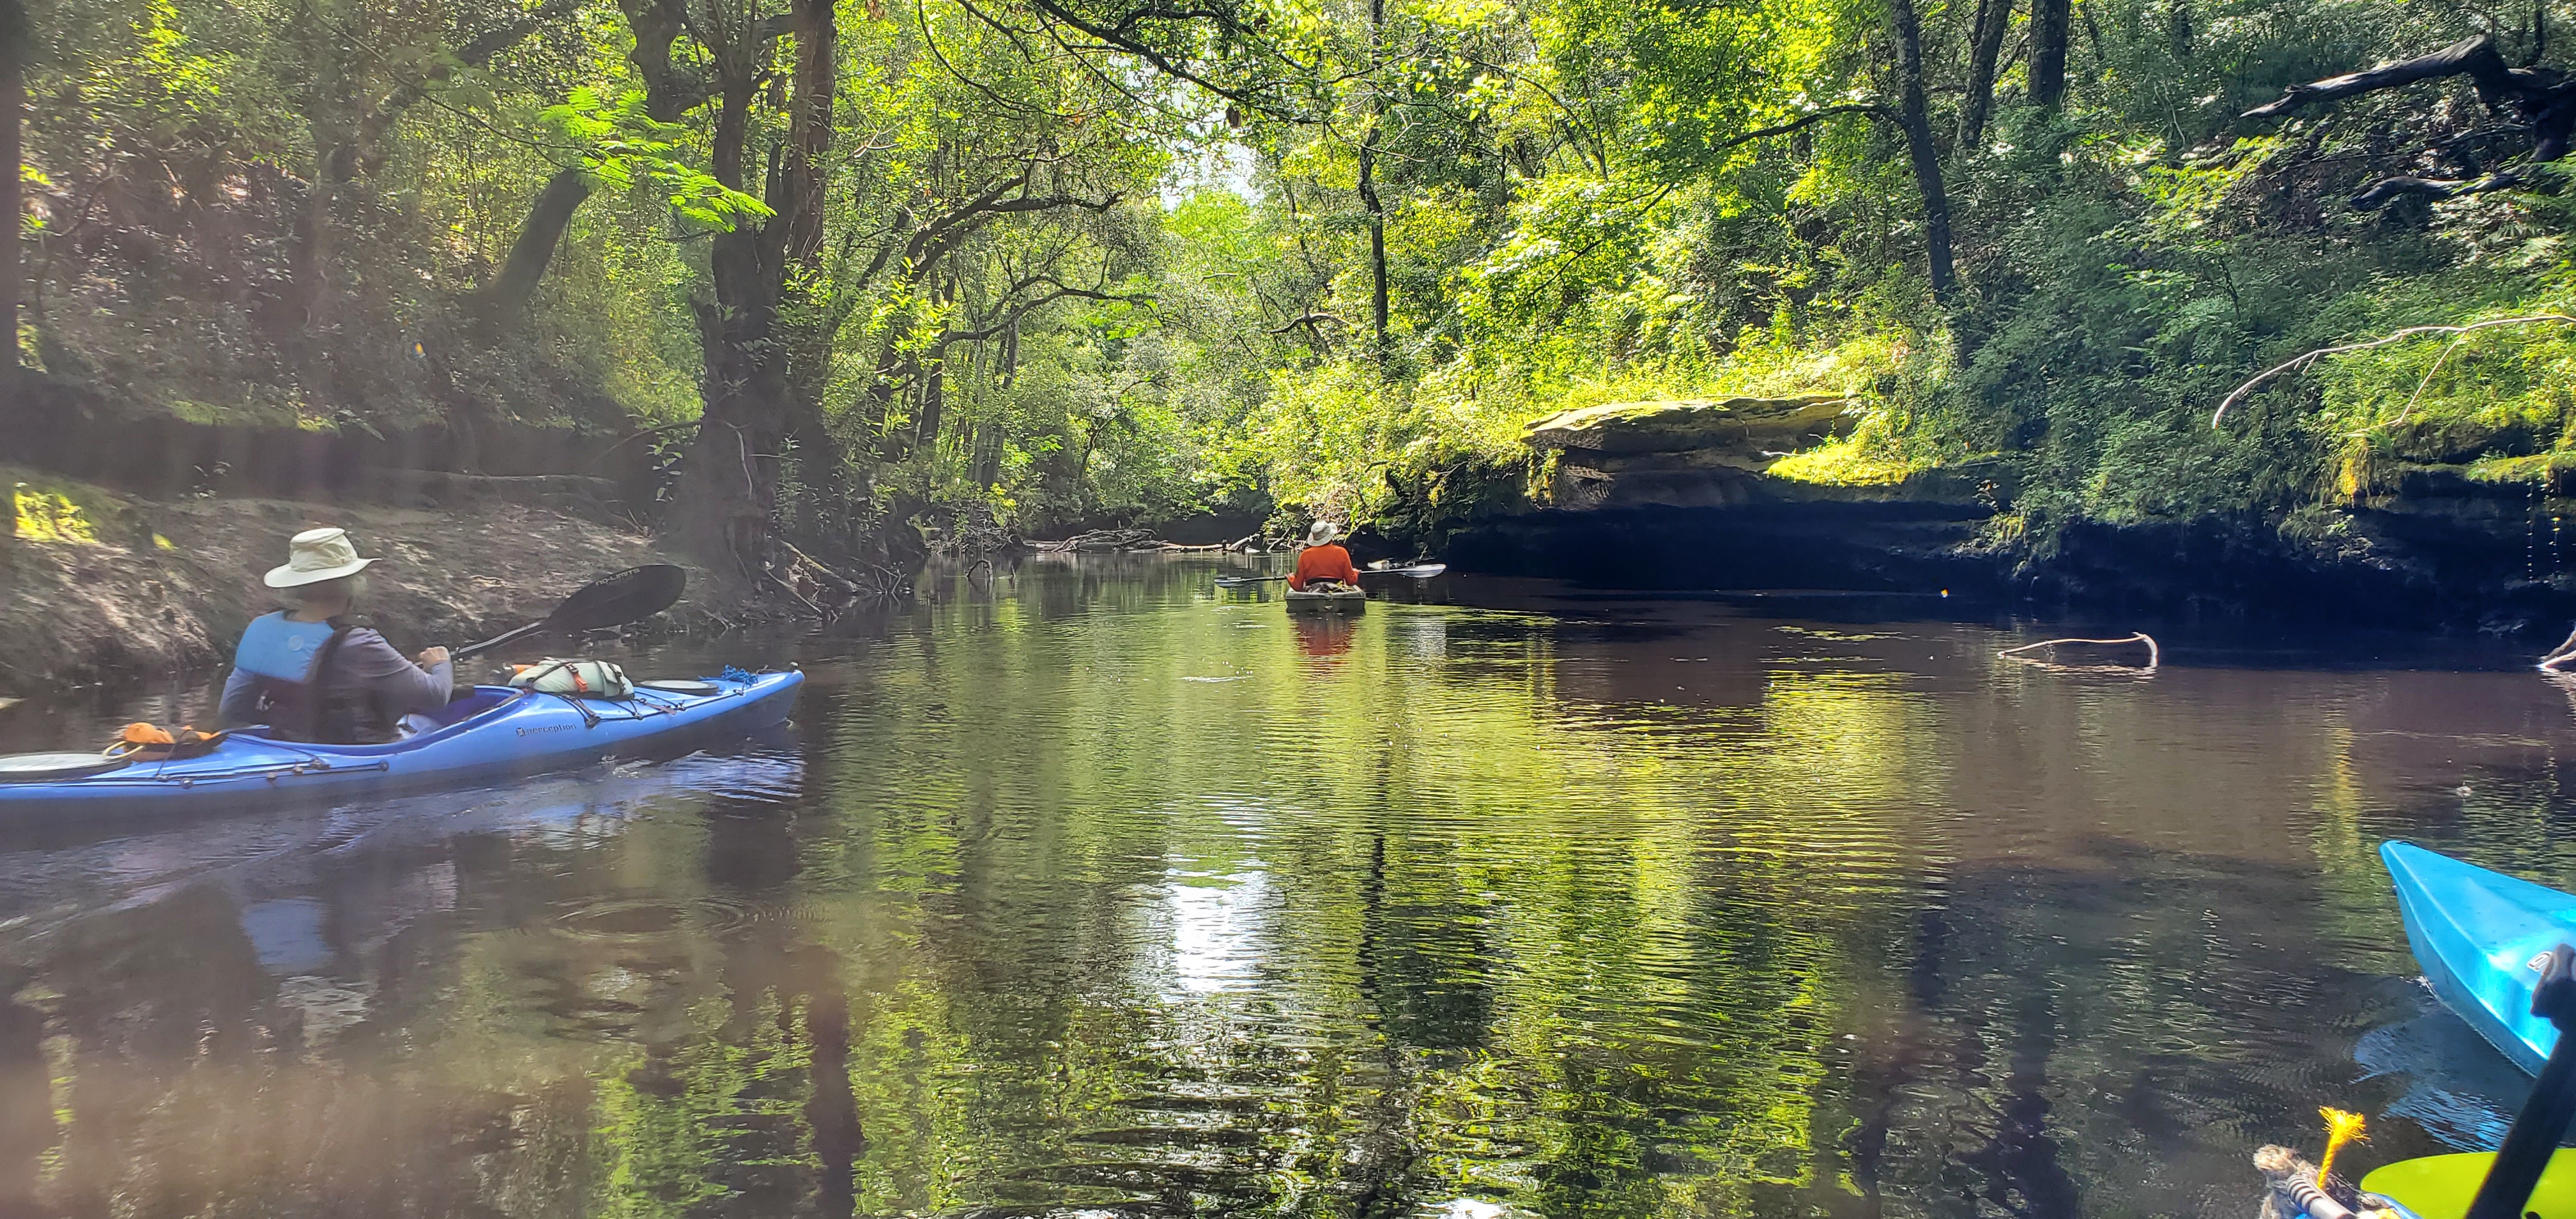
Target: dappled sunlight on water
point(1091, 891)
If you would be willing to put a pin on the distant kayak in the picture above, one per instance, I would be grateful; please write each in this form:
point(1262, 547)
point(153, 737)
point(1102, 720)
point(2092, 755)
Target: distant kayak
point(1317, 601)
point(494, 733)
point(2476, 935)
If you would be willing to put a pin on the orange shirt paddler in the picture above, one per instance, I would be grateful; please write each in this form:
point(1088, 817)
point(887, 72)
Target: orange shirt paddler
point(1321, 560)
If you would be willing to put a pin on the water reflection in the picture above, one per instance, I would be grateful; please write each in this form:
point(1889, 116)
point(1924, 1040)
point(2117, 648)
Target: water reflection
point(1323, 636)
point(1087, 890)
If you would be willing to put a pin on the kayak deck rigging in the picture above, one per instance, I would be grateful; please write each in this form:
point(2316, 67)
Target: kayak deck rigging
point(496, 731)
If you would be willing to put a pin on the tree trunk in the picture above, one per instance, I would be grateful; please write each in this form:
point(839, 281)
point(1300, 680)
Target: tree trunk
point(1914, 115)
point(14, 35)
point(1994, 17)
point(313, 243)
point(801, 185)
point(808, 337)
point(728, 493)
point(1368, 194)
point(1378, 345)
point(934, 403)
point(510, 291)
point(729, 485)
point(2048, 27)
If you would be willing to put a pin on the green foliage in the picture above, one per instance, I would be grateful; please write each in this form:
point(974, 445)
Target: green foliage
point(1576, 202)
point(625, 148)
point(2129, 259)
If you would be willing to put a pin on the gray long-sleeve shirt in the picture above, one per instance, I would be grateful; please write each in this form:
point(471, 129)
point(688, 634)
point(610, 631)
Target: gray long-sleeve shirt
point(368, 671)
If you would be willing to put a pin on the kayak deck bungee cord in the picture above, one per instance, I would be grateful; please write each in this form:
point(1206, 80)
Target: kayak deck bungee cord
point(496, 732)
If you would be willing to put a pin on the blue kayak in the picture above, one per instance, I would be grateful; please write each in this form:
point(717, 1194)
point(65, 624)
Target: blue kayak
point(496, 732)
point(2479, 936)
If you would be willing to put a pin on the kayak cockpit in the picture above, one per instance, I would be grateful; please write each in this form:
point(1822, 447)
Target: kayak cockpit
point(484, 698)
point(457, 716)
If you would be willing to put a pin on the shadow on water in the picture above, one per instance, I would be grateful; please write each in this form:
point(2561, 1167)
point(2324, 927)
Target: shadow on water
point(1084, 888)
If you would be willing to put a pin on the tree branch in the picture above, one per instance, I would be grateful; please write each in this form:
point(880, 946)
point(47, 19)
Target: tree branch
point(1309, 320)
point(939, 225)
point(936, 241)
point(1011, 316)
point(2296, 363)
point(2381, 193)
point(1809, 119)
point(2475, 58)
point(475, 54)
point(1122, 38)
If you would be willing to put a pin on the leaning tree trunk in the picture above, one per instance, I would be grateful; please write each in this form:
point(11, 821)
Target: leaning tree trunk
point(2544, 100)
point(2048, 26)
point(1914, 116)
point(507, 296)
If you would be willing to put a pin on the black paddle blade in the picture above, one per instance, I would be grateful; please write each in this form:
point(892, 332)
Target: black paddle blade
point(616, 599)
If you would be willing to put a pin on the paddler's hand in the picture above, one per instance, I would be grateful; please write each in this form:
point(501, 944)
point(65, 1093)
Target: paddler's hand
point(431, 658)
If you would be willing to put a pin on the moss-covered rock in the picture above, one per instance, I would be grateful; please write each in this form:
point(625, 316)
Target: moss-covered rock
point(1758, 430)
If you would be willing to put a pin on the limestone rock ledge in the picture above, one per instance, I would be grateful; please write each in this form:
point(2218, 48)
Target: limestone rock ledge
point(1693, 452)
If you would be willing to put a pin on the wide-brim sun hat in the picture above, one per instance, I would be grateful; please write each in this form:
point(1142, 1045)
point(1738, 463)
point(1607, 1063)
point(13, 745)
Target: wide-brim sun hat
point(316, 555)
point(1321, 532)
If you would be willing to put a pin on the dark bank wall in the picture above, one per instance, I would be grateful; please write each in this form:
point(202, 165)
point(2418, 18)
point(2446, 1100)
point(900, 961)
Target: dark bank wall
point(2443, 553)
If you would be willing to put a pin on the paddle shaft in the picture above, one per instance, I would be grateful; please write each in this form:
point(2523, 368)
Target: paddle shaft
point(495, 641)
point(2544, 1118)
point(1422, 572)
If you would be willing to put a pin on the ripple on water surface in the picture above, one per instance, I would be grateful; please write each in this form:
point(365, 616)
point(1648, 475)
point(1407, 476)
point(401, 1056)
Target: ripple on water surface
point(1088, 891)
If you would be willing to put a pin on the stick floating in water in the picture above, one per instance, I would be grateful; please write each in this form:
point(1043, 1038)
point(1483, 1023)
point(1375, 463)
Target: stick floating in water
point(2155, 654)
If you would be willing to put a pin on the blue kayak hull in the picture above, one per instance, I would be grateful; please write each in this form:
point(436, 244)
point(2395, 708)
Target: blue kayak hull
point(2479, 935)
point(504, 733)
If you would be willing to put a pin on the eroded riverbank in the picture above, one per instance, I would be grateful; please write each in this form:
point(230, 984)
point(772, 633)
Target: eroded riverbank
point(147, 592)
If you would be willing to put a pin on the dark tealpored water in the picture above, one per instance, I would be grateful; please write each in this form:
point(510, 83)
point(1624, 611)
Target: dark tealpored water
point(1088, 890)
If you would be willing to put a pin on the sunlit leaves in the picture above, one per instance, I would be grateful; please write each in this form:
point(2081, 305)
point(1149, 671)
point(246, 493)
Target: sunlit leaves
point(622, 145)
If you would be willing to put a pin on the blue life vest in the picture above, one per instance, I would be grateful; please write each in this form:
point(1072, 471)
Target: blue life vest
point(281, 649)
point(286, 658)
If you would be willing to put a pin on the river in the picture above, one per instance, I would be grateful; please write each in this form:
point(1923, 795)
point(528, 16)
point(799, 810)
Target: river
point(1086, 890)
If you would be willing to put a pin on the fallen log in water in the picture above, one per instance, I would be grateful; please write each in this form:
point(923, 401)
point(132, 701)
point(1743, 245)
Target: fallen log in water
point(1104, 541)
point(2135, 651)
point(2559, 657)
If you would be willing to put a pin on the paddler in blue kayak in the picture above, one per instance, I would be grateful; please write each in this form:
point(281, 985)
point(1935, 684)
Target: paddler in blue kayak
point(309, 676)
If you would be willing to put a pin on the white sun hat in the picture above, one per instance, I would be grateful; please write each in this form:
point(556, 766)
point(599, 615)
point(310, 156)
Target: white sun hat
point(316, 555)
point(1321, 532)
